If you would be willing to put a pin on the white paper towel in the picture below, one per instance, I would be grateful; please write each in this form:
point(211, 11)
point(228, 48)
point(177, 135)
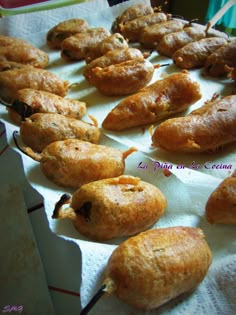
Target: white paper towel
point(186, 190)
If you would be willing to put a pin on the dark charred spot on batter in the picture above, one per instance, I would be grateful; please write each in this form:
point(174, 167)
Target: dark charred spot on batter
point(85, 210)
point(50, 36)
point(221, 110)
point(66, 53)
point(209, 68)
point(61, 36)
point(22, 109)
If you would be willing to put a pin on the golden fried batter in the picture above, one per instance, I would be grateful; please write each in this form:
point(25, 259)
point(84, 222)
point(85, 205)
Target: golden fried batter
point(221, 205)
point(75, 47)
point(194, 55)
point(11, 65)
point(115, 207)
point(61, 31)
point(151, 35)
point(124, 78)
point(131, 30)
point(39, 79)
point(131, 13)
point(114, 41)
point(19, 50)
point(223, 56)
point(176, 40)
point(158, 265)
point(73, 163)
point(111, 58)
point(41, 129)
point(161, 99)
point(204, 129)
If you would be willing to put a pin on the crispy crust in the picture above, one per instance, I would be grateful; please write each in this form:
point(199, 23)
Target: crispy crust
point(151, 35)
point(19, 50)
point(194, 55)
point(114, 41)
point(73, 163)
point(45, 102)
point(221, 205)
point(28, 77)
point(131, 30)
point(158, 100)
point(205, 129)
point(41, 129)
point(223, 56)
point(111, 58)
point(124, 78)
point(170, 43)
point(61, 31)
point(119, 206)
point(155, 266)
point(76, 46)
point(131, 13)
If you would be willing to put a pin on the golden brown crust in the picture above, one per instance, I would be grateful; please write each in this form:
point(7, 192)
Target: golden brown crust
point(116, 207)
point(131, 29)
point(114, 41)
point(11, 65)
point(45, 102)
point(75, 47)
point(124, 78)
point(221, 205)
point(41, 129)
point(19, 50)
point(194, 55)
point(39, 79)
point(151, 35)
point(223, 56)
point(158, 100)
point(155, 266)
point(73, 163)
point(170, 43)
point(205, 129)
point(61, 31)
point(111, 58)
point(131, 13)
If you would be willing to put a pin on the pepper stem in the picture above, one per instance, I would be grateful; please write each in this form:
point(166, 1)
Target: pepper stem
point(94, 300)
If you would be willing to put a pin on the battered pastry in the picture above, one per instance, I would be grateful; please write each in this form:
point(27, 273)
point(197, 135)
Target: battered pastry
point(221, 205)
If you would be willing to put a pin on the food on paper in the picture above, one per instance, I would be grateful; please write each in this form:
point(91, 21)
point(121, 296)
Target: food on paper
point(114, 41)
point(41, 129)
point(11, 81)
point(157, 265)
point(73, 163)
point(194, 55)
point(76, 46)
point(161, 99)
point(204, 129)
point(111, 58)
point(221, 204)
point(151, 35)
point(123, 78)
point(36, 101)
point(131, 13)
point(114, 207)
point(132, 29)
point(19, 50)
point(170, 43)
point(62, 30)
point(216, 63)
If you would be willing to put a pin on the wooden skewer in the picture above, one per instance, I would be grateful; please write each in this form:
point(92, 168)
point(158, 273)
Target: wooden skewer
point(219, 14)
point(94, 300)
